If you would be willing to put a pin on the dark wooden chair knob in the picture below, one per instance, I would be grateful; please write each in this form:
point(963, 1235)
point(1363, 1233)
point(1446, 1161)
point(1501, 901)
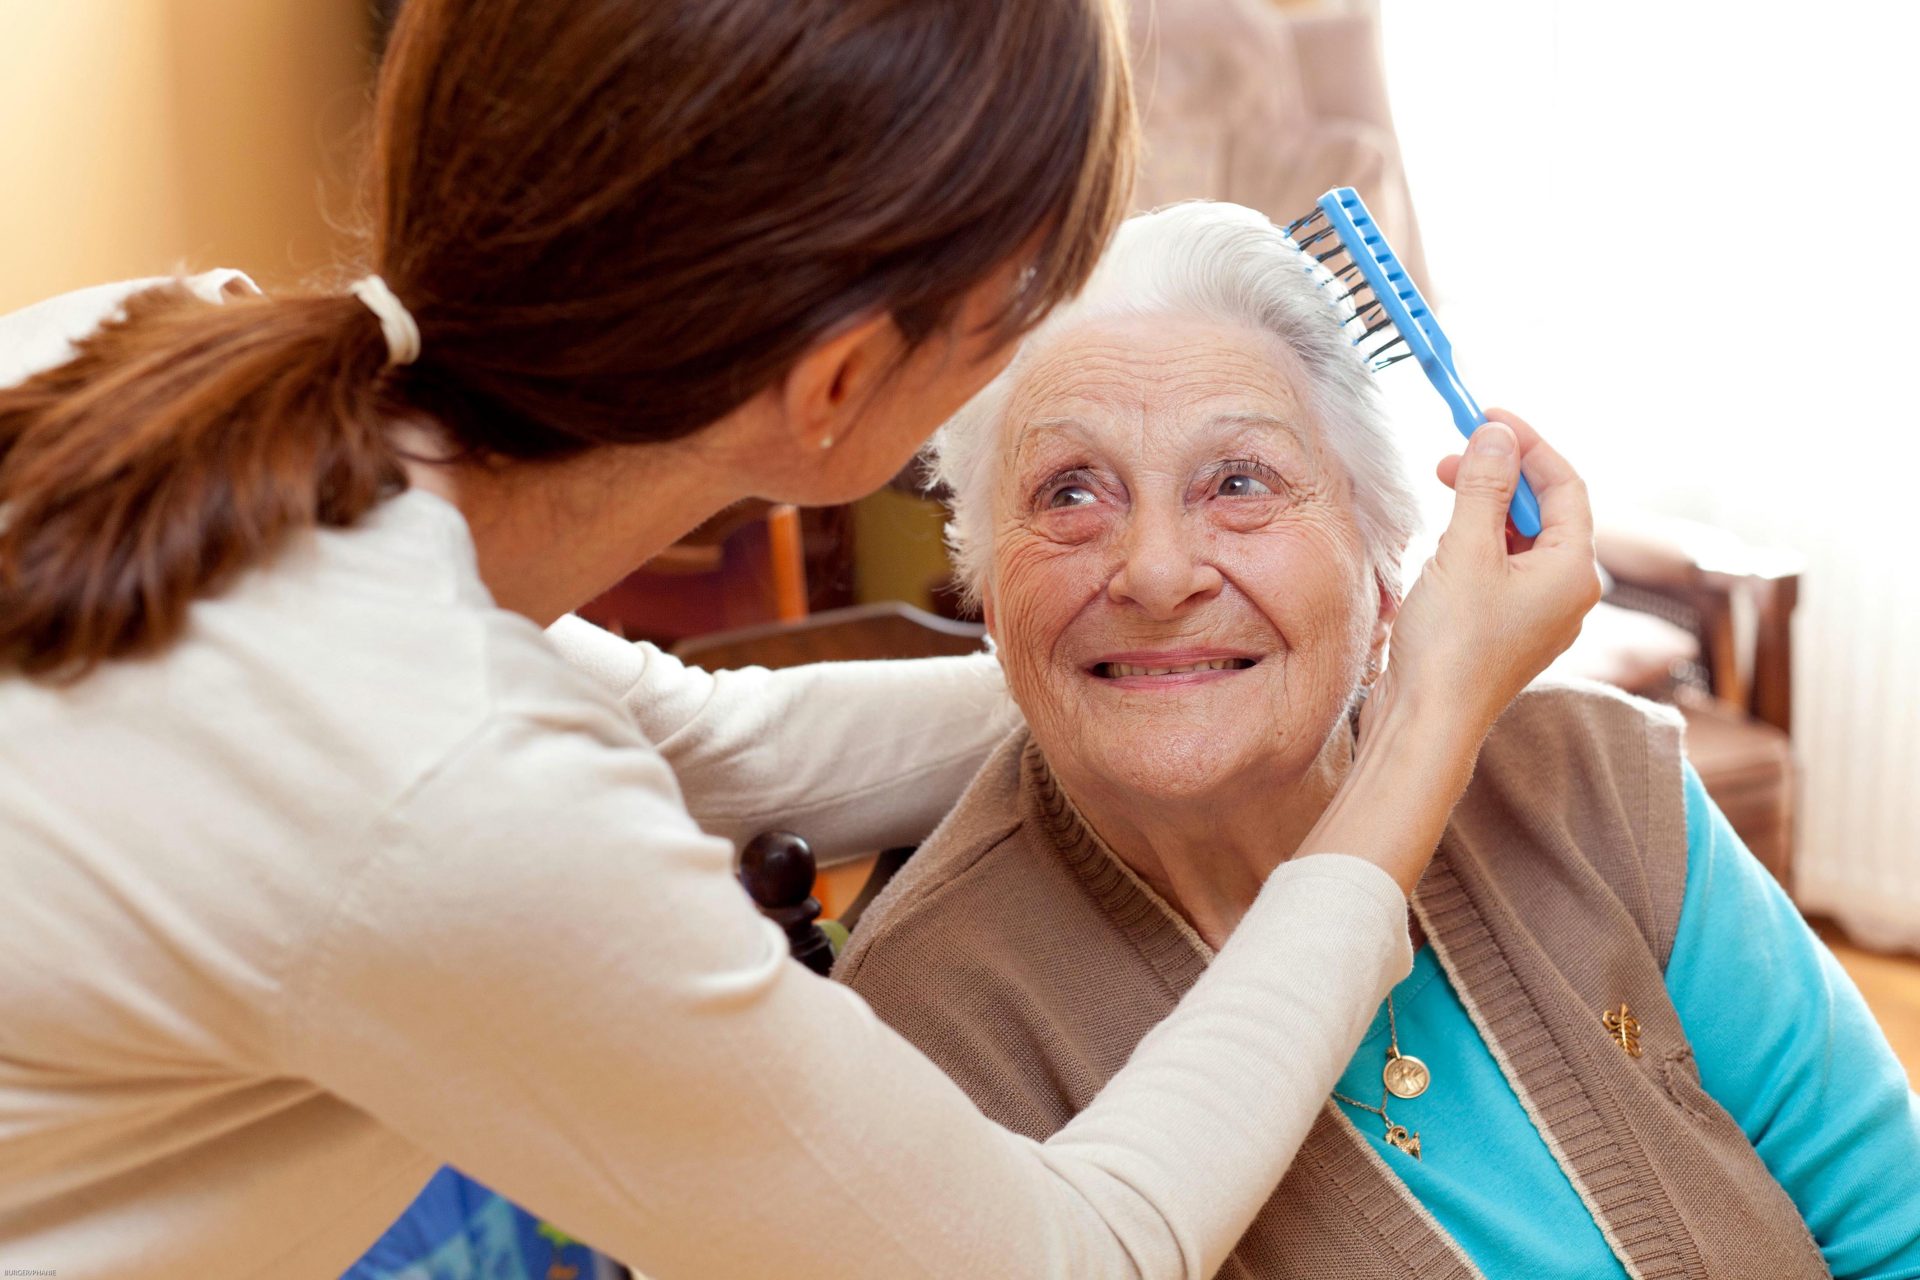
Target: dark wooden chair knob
point(777, 868)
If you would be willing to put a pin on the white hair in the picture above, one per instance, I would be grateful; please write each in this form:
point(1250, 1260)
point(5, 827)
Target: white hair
point(1214, 261)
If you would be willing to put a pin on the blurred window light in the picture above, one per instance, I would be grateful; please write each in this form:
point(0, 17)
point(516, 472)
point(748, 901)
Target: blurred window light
point(1678, 236)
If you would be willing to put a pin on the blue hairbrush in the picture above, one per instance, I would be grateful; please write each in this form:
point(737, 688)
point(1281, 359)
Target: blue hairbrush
point(1390, 320)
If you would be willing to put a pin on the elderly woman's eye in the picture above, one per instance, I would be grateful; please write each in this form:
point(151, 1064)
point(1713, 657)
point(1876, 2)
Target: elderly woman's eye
point(1242, 484)
point(1069, 495)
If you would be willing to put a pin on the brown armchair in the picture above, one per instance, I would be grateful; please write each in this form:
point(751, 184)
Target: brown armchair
point(1698, 618)
point(1240, 101)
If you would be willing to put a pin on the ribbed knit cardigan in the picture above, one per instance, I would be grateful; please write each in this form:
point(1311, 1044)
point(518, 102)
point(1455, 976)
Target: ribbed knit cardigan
point(1020, 954)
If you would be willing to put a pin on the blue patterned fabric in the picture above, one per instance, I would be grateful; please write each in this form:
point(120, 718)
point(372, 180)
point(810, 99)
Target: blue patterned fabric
point(456, 1229)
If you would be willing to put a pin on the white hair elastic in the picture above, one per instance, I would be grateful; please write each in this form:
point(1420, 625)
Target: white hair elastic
point(396, 322)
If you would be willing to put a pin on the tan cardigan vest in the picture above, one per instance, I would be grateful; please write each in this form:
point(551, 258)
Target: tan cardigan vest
point(1027, 961)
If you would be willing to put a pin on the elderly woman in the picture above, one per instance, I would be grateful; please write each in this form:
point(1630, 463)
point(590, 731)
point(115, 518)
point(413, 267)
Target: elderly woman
point(1619, 1051)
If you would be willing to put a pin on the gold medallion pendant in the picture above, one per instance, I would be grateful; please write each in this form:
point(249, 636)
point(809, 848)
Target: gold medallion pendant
point(1405, 1076)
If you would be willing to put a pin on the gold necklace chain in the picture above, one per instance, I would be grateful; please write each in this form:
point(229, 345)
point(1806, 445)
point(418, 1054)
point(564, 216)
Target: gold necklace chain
point(1405, 1076)
point(1396, 1135)
point(1409, 1073)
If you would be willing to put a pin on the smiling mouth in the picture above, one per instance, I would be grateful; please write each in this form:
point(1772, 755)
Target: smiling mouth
point(1118, 670)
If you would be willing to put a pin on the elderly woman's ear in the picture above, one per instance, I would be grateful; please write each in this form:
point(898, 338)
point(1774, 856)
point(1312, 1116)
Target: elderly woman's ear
point(1383, 624)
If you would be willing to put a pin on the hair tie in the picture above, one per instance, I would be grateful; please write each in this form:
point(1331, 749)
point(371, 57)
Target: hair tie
point(396, 322)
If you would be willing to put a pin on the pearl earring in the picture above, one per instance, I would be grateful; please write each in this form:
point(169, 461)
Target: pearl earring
point(826, 442)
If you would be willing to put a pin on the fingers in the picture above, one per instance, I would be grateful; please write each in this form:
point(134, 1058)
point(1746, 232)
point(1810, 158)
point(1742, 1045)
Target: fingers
point(1448, 469)
point(1564, 509)
point(1522, 429)
point(1483, 484)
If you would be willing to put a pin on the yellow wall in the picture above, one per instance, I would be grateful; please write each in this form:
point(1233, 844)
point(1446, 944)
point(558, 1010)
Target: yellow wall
point(899, 552)
point(143, 136)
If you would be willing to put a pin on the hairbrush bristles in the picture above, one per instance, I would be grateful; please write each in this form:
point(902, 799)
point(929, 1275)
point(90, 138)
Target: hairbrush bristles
point(1368, 325)
point(1383, 314)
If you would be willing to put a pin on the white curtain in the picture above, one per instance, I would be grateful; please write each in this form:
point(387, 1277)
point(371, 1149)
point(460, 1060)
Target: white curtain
point(1684, 239)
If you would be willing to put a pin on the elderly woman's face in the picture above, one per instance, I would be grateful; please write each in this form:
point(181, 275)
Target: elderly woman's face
point(1178, 587)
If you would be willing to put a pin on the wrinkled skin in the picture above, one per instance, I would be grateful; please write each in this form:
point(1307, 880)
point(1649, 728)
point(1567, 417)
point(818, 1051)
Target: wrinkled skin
point(1168, 499)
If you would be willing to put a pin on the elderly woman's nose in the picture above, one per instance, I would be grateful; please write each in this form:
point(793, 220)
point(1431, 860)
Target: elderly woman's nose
point(1164, 566)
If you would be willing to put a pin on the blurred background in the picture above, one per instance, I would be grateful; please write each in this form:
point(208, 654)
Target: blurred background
point(143, 136)
point(1680, 235)
point(1675, 236)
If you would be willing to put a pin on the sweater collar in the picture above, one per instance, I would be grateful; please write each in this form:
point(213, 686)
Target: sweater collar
point(1167, 942)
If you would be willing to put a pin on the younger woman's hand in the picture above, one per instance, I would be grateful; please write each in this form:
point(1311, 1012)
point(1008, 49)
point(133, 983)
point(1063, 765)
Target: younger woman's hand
point(1491, 610)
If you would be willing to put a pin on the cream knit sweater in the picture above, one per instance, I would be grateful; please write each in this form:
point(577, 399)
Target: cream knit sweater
point(364, 876)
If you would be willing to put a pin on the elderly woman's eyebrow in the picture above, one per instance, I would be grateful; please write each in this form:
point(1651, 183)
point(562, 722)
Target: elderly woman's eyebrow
point(1053, 424)
point(1247, 424)
point(1260, 420)
point(1036, 431)
point(1033, 427)
point(1056, 426)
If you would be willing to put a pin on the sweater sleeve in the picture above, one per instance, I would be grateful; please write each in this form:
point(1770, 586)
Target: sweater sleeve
point(855, 756)
point(546, 975)
point(1785, 1043)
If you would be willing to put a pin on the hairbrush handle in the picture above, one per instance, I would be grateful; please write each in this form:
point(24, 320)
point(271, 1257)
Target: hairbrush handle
point(1413, 321)
point(1525, 508)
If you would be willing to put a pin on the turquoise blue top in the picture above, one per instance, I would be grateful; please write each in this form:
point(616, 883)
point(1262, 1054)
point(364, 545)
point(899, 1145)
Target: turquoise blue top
point(1783, 1041)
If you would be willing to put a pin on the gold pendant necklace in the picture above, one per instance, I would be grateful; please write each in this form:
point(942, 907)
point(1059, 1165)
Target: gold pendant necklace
point(1404, 1076)
point(1396, 1135)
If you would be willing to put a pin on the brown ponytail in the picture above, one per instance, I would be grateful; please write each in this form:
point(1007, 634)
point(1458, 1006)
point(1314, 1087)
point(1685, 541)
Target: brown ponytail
point(613, 221)
point(180, 446)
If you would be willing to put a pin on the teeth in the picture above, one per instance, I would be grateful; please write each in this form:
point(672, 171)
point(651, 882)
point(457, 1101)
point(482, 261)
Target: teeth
point(1117, 669)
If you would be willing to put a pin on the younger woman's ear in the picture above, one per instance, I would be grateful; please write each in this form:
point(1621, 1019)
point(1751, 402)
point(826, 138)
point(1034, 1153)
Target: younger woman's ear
point(822, 393)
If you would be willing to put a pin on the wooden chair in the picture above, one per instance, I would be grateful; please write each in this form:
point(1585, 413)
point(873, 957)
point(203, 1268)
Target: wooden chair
point(778, 871)
point(778, 868)
point(745, 566)
point(886, 630)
